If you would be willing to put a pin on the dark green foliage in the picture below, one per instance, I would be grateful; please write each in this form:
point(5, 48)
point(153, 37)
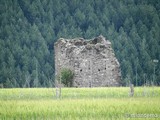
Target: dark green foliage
point(28, 30)
point(66, 77)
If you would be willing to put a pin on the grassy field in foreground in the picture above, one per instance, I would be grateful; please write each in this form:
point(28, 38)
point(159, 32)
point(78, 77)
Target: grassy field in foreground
point(80, 104)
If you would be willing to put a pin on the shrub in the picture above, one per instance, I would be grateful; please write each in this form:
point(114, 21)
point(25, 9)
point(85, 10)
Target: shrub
point(66, 77)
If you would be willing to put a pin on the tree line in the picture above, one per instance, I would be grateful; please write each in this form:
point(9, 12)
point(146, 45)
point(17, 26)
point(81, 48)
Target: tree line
point(28, 30)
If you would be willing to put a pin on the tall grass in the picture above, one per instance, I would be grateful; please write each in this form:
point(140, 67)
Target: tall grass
point(77, 103)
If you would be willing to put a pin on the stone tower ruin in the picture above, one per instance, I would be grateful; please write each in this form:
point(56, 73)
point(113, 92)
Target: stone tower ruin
point(93, 61)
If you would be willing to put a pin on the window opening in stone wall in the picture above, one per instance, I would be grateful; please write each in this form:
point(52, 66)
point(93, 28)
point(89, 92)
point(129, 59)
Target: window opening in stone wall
point(80, 70)
point(99, 70)
point(89, 65)
point(105, 65)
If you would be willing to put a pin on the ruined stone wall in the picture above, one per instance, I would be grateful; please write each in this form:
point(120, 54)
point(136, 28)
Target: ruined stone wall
point(92, 61)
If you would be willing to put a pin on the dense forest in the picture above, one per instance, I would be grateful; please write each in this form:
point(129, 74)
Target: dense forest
point(29, 28)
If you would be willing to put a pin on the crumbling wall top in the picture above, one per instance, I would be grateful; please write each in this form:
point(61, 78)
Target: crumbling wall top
point(82, 42)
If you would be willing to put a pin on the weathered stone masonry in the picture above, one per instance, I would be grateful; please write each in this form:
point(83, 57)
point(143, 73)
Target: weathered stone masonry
point(92, 61)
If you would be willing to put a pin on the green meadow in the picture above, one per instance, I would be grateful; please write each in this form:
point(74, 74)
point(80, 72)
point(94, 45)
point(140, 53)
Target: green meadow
point(80, 104)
